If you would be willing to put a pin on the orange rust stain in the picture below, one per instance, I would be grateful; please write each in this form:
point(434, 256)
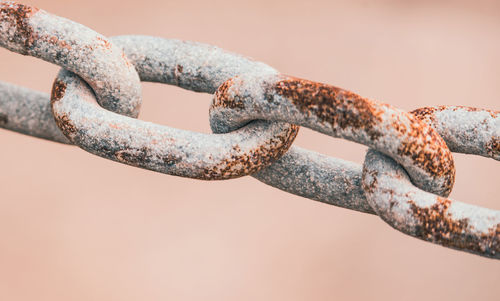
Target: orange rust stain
point(343, 109)
point(493, 114)
point(19, 14)
point(428, 113)
point(427, 150)
point(493, 147)
point(59, 43)
point(338, 107)
point(58, 90)
point(105, 43)
point(436, 224)
point(224, 99)
point(62, 120)
point(248, 163)
point(66, 126)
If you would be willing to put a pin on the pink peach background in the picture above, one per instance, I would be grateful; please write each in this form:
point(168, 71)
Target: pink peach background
point(77, 227)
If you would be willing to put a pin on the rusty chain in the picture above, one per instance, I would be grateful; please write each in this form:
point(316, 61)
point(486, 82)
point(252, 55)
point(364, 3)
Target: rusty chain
point(255, 115)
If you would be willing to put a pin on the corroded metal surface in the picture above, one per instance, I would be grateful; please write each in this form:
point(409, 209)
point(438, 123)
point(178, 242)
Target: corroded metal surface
point(338, 182)
point(28, 112)
point(106, 68)
point(339, 113)
point(308, 174)
point(466, 130)
point(453, 224)
point(407, 148)
point(160, 148)
point(31, 31)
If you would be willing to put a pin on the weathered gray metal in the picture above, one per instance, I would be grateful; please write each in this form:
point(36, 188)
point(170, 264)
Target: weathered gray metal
point(427, 216)
point(338, 182)
point(466, 130)
point(108, 71)
point(338, 113)
point(246, 94)
point(28, 112)
point(31, 31)
point(172, 151)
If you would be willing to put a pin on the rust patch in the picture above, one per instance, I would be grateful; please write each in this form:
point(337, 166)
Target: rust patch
point(144, 156)
point(493, 114)
point(468, 109)
point(177, 73)
point(4, 119)
point(248, 163)
point(427, 150)
point(104, 43)
point(66, 126)
point(493, 147)
point(62, 120)
point(60, 43)
point(343, 109)
point(58, 90)
point(370, 187)
point(18, 15)
point(426, 114)
point(436, 224)
point(340, 108)
point(225, 99)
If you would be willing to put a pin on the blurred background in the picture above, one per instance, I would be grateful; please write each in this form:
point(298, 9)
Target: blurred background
point(77, 227)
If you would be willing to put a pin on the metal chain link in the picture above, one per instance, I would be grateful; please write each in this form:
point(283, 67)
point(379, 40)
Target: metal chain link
point(255, 114)
point(164, 149)
point(338, 113)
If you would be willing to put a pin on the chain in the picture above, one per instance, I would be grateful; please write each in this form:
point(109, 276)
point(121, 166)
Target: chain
point(255, 116)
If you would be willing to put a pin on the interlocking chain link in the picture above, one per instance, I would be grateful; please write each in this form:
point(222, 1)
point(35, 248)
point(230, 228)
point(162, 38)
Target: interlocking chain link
point(164, 149)
point(338, 113)
point(408, 171)
point(104, 66)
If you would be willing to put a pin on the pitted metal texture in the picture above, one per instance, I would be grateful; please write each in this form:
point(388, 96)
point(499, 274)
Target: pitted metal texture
point(430, 217)
point(184, 153)
point(256, 111)
point(338, 113)
point(31, 31)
